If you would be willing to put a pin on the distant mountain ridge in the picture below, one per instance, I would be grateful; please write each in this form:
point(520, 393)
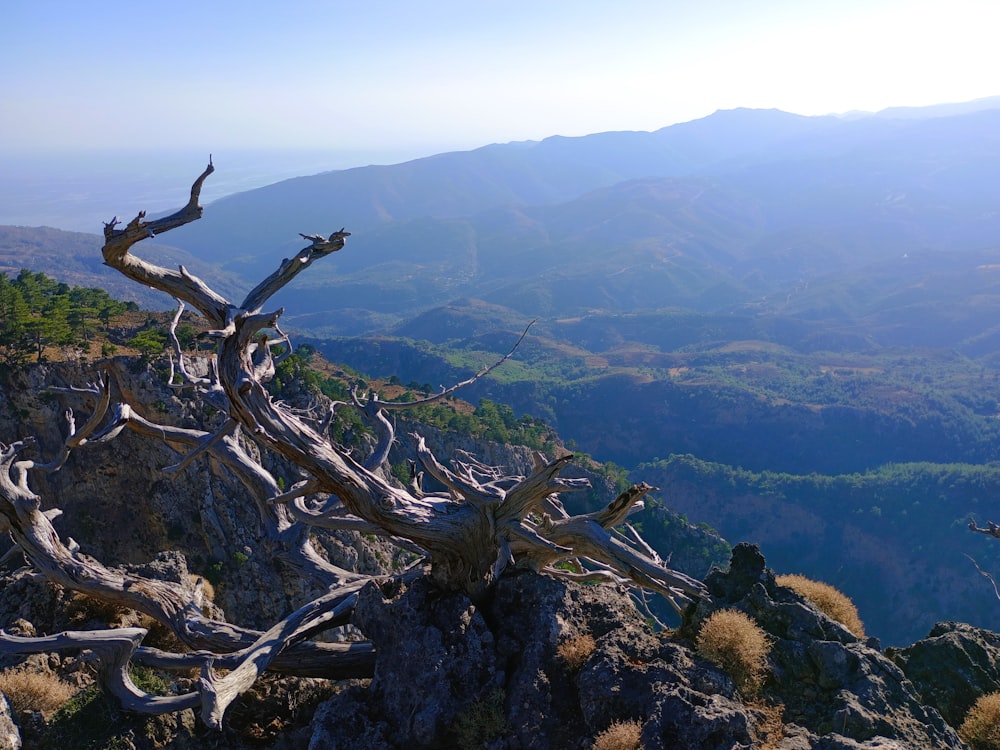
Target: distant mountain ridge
point(75, 258)
point(742, 202)
point(816, 297)
point(461, 184)
point(729, 209)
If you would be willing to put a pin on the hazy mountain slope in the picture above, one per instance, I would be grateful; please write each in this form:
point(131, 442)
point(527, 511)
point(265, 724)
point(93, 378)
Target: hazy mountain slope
point(742, 207)
point(75, 258)
point(569, 225)
point(264, 221)
point(941, 110)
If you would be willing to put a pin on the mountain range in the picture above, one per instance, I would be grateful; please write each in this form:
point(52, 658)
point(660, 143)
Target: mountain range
point(805, 296)
point(744, 208)
point(741, 208)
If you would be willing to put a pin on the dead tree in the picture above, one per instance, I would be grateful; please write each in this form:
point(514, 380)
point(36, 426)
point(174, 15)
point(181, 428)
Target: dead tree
point(483, 523)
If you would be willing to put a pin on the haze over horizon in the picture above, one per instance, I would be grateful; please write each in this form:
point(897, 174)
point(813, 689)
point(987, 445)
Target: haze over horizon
point(129, 101)
point(419, 79)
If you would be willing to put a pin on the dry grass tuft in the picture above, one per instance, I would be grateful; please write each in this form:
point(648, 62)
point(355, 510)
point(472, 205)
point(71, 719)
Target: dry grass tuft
point(621, 735)
point(82, 611)
point(576, 650)
point(769, 729)
point(833, 603)
point(981, 728)
point(28, 690)
point(736, 643)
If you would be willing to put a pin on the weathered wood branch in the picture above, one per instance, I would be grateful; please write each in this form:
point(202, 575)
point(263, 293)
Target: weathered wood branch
point(113, 649)
point(209, 387)
point(290, 268)
point(991, 529)
point(204, 445)
point(184, 286)
point(485, 521)
point(468, 491)
point(374, 409)
point(167, 602)
point(74, 438)
point(446, 392)
point(987, 576)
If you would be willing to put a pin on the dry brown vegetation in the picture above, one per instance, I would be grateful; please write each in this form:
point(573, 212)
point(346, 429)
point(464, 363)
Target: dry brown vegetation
point(30, 690)
point(981, 728)
point(574, 651)
point(769, 729)
point(830, 601)
point(621, 735)
point(736, 643)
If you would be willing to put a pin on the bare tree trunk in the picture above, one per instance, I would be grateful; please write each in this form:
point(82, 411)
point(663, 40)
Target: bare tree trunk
point(469, 534)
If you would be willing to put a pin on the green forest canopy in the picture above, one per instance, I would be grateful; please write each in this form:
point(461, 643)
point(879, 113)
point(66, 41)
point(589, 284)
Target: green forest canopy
point(37, 312)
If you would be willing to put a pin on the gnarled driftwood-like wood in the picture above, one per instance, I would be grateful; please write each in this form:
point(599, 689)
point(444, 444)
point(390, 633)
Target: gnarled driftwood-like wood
point(482, 523)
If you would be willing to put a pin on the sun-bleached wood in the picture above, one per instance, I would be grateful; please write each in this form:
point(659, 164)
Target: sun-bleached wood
point(484, 522)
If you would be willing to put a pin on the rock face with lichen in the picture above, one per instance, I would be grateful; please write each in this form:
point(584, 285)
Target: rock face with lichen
point(445, 663)
point(10, 736)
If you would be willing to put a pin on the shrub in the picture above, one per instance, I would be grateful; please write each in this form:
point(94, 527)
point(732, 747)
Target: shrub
point(828, 600)
point(147, 680)
point(483, 722)
point(736, 643)
point(84, 610)
point(981, 728)
point(576, 650)
point(769, 728)
point(28, 690)
point(621, 735)
point(90, 720)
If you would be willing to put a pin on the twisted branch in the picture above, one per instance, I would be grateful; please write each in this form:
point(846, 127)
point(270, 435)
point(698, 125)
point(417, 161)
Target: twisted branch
point(485, 522)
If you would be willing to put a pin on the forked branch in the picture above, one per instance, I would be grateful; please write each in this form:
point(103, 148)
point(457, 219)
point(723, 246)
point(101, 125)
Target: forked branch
point(484, 522)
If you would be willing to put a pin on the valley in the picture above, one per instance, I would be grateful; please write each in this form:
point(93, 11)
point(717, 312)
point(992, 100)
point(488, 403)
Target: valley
point(771, 317)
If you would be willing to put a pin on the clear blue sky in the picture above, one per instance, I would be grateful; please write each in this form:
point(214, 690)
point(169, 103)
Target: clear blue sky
point(425, 76)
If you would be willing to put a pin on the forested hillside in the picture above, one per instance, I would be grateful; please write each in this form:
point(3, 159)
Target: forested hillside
point(768, 293)
point(895, 537)
point(741, 401)
point(38, 313)
point(861, 466)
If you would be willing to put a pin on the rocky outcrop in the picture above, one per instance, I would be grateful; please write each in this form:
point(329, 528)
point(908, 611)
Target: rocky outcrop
point(10, 737)
point(952, 667)
point(842, 691)
point(443, 659)
point(447, 667)
point(539, 663)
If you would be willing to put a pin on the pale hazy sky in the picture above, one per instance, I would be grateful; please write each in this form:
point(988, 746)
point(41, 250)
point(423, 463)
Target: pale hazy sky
point(430, 75)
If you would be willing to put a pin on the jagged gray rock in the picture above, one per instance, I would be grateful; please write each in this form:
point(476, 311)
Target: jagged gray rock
point(838, 687)
point(954, 665)
point(441, 659)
